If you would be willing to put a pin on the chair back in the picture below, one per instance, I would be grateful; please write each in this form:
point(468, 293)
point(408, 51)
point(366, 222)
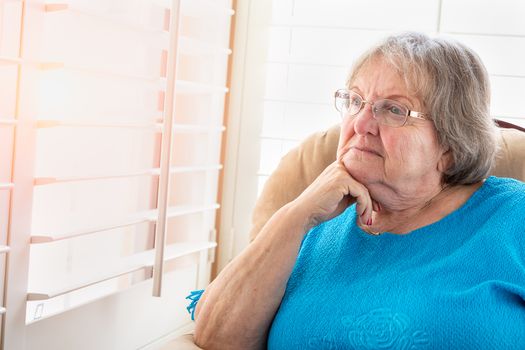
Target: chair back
point(301, 166)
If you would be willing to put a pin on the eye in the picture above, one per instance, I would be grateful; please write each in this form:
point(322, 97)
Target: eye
point(393, 108)
point(396, 110)
point(355, 101)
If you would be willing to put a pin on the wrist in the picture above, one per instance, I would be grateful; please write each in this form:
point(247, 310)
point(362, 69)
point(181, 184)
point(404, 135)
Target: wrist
point(302, 215)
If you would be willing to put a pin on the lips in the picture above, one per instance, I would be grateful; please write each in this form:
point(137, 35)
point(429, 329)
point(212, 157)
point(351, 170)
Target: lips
point(359, 147)
point(366, 150)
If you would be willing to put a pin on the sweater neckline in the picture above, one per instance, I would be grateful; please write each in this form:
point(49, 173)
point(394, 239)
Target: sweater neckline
point(451, 216)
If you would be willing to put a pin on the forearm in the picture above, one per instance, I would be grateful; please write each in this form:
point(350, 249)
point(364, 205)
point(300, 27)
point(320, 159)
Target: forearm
point(238, 307)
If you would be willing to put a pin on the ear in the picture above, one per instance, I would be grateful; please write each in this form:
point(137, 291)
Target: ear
point(445, 162)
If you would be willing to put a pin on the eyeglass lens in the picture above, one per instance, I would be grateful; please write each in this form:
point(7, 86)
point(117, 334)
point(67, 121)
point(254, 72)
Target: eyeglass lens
point(385, 111)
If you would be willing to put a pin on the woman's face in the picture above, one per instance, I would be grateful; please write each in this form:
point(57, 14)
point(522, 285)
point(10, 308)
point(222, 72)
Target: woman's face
point(398, 165)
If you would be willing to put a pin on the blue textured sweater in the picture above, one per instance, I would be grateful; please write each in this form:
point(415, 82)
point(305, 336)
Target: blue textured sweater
point(458, 283)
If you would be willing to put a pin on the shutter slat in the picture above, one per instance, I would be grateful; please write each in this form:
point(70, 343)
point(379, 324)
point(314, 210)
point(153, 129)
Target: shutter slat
point(51, 123)
point(156, 127)
point(191, 46)
point(200, 8)
point(139, 218)
point(6, 185)
point(134, 263)
point(7, 122)
point(184, 86)
point(65, 7)
point(103, 72)
point(5, 60)
point(198, 128)
point(40, 181)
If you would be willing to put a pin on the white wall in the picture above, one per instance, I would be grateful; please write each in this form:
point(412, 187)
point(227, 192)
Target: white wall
point(310, 45)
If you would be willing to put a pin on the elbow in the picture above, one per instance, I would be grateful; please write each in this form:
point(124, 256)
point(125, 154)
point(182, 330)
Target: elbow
point(208, 337)
point(203, 341)
point(205, 334)
point(215, 329)
point(199, 334)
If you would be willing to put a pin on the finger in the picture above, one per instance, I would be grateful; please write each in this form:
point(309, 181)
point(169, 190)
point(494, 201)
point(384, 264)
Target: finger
point(376, 206)
point(364, 206)
point(366, 217)
point(361, 206)
point(364, 203)
point(368, 211)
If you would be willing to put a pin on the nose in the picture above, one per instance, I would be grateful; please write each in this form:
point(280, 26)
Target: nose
point(364, 121)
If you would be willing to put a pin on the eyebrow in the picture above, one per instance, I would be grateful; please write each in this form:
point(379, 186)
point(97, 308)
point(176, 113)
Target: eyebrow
point(400, 97)
point(390, 97)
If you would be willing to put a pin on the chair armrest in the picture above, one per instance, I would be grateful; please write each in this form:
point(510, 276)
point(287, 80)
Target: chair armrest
point(184, 342)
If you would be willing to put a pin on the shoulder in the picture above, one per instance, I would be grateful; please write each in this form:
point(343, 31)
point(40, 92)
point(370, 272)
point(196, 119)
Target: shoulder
point(502, 200)
point(502, 189)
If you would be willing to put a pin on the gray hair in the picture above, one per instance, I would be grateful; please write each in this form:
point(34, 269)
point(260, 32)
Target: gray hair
point(453, 85)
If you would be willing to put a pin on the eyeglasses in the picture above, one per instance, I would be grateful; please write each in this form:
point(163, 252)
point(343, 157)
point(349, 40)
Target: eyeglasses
point(386, 112)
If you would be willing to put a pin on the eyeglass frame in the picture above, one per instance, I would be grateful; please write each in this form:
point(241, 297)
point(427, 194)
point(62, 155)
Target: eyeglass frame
point(409, 113)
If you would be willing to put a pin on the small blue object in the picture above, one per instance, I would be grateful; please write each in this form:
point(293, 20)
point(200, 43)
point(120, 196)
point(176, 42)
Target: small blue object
point(194, 296)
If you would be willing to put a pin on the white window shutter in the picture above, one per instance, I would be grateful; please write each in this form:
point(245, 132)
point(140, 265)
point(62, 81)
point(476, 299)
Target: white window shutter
point(94, 91)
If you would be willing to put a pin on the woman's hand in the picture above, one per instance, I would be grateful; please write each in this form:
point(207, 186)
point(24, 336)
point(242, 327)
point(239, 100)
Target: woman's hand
point(331, 193)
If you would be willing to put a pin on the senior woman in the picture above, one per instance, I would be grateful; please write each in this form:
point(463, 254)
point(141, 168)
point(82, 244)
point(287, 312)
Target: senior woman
point(403, 242)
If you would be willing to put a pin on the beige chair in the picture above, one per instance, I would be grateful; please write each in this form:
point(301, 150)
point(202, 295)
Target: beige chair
point(303, 164)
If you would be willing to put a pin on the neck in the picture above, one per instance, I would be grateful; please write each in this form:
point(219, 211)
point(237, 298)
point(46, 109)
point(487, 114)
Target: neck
point(422, 213)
